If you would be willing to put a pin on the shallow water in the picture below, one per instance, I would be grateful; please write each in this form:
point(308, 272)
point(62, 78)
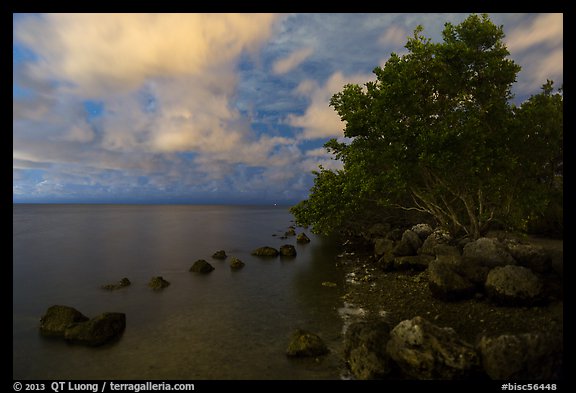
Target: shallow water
point(224, 325)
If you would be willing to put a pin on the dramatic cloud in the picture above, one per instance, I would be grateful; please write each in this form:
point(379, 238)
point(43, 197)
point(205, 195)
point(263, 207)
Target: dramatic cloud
point(287, 64)
point(319, 119)
point(183, 106)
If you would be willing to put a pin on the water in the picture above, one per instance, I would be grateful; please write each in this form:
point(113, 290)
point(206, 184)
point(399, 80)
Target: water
point(224, 325)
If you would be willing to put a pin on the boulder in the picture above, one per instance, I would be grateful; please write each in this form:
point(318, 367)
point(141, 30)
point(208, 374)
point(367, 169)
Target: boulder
point(236, 263)
point(58, 318)
point(158, 283)
point(530, 356)
point(530, 256)
point(290, 232)
point(220, 254)
point(423, 350)
point(422, 230)
point(287, 250)
point(438, 237)
point(446, 283)
point(306, 344)
point(201, 266)
point(513, 286)
point(302, 238)
point(383, 246)
point(365, 349)
point(120, 284)
point(265, 252)
point(408, 245)
point(488, 252)
point(98, 330)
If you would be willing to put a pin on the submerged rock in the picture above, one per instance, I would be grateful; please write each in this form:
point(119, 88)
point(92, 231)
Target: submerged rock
point(58, 318)
point(98, 330)
point(236, 263)
point(306, 344)
point(201, 266)
point(120, 284)
point(158, 283)
point(265, 252)
point(220, 254)
point(287, 250)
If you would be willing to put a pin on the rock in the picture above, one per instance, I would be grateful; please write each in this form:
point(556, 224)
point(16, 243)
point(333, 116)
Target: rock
point(412, 262)
point(422, 230)
point(530, 356)
point(530, 256)
point(265, 252)
point(158, 283)
point(236, 263)
point(120, 284)
point(201, 266)
point(377, 230)
point(513, 286)
point(438, 237)
point(408, 245)
point(287, 250)
point(306, 344)
point(220, 254)
point(58, 318)
point(328, 284)
point(290, 232)
point(425, 351)
point(365, 349)
point(382, 246)
point(488, 252)
point(302, 238)
point(446, 283)
point(98, 330)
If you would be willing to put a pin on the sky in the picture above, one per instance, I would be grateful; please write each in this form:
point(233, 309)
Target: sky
point(209, 108)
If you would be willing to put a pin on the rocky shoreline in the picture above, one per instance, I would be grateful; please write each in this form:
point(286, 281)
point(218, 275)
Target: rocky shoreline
point(429, 311)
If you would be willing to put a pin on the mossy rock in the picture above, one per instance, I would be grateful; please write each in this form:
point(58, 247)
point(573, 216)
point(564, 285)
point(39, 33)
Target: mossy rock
point(236, 263)
point(302, 238)
point(201, 266)
point(287, 250)
point(58, 318)
point(266, 252)
point(306, 344)
point(220, 254)
point(158, 283)
point(120, 284)
point(98, 330)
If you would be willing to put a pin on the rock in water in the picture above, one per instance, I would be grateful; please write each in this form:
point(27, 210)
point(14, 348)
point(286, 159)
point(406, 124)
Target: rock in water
point(98, 330)
point(220, 254)
point(120, 284)
point(287, 250)
point(302, 238)
point(306, 344)
point(201, 266)
point(58, 318)
point(158, 283)
point(236, 263)
point(265, 252)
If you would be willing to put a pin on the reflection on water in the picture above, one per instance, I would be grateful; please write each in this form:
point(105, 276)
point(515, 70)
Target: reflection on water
point(224, 325)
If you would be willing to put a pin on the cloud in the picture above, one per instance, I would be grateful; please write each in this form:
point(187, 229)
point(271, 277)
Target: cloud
point(287, 64)
point(319, 119)
point(545, 29)
point(538, 48)
point(394, 36)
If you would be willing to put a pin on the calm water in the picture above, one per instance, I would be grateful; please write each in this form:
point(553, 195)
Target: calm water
point(225, 325)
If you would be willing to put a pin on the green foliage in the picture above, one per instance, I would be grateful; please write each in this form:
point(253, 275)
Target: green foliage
point(436, 133)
